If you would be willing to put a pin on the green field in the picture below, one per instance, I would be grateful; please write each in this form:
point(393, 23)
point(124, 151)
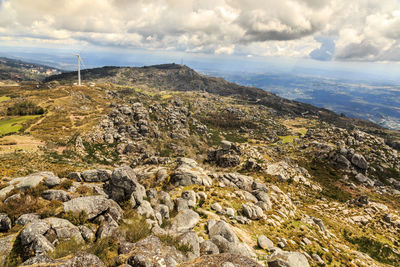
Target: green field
point(4, 98)
point(13, 125)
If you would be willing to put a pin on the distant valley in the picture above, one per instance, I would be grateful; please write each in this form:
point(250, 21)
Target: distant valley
point(373, 101)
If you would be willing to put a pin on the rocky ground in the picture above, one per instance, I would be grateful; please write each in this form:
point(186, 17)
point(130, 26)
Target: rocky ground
point(154, 177)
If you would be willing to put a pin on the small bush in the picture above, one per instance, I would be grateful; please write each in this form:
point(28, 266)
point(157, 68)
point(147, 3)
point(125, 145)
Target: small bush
point(135, 227)
point(84, 190)
point(24, 204)
point(66, 184)
point(75, 218)
point(65, 248)
point(106, 249)
point(172, 241)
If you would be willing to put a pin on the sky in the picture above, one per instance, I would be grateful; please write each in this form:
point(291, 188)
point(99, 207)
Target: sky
point(355, 34)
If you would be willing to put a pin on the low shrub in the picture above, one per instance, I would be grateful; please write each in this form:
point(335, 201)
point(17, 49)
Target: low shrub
point(135, 227)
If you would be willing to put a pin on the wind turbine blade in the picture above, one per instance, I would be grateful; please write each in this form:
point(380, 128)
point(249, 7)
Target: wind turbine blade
point(84, 66)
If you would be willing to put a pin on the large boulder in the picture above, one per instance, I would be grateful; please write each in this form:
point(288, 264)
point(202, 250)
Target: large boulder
point(94, 206)
point(191, 240)
point(124, 186)
point(32, 238)
point(32, 180)
point(280, 258)
point(222, 228)
point(185, 220)
point(64, 229)
point(252, 212)
point(188, 173)
point(264, 242)
point(237, 180)
point(96, 175)
point(359, 161)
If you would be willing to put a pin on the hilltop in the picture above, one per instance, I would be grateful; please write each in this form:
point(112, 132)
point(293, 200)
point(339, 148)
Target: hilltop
point(163, 166)
point(17, 70)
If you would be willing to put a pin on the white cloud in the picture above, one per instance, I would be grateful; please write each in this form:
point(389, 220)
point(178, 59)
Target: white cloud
point(361, 30)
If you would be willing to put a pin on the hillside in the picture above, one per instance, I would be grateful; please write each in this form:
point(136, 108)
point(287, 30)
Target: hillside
point(162, 166)
point(174, 77)
point(17, 70)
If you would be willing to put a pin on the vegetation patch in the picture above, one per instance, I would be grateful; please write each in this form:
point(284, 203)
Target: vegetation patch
point(24, 108)
point(13, 125)
point(376, 249)
point(4, 98)
point(288, 138)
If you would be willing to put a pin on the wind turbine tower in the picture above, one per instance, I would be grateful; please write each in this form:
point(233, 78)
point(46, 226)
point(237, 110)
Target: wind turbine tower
point(79, 69)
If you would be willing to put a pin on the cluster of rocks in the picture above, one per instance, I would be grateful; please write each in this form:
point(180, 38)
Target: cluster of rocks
point(40, 237)
point(228, 155)
point(358, 154)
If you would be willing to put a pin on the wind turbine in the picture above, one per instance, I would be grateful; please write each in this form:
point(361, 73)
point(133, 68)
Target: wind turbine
point(79, 69)
point(80, 60)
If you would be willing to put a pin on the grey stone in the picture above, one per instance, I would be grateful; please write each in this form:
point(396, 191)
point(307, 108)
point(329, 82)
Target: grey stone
point(6, 245)
point(190, 239)
point(60, 195)
point(190, 196)
point(207, 248)
point(87, 234)
point(222, 228)
point(252, 212)
point(52, 181)
point(280, 258)
point(27, 218)
point(31, 181)
point(217, 207)
point(185, 220)
point(93, 206)
point(32, 231)
point(64, 229)
point(96, 175)
point(124, 186)
point(264, 242)
point(359, 161)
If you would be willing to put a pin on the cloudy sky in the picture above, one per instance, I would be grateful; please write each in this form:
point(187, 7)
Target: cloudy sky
point(323, 30)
